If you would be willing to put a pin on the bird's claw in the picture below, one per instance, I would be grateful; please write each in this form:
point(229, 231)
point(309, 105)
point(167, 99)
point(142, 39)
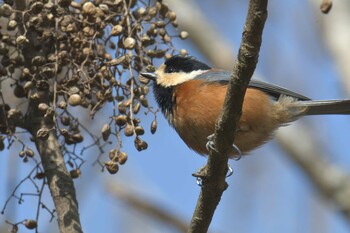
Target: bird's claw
point(199, 179)
point(211, 146)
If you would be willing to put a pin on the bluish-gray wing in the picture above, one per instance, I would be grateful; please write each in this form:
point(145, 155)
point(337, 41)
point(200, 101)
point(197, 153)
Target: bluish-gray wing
point(273, 90)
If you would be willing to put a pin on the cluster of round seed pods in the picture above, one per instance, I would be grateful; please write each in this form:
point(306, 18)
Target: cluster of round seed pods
point(83, 54)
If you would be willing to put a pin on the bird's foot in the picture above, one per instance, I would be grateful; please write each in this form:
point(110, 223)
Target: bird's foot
point(198, 175)
point(211, 146)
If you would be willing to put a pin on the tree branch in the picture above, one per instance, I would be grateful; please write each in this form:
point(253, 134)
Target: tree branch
point(213, 174)
point(58, 178)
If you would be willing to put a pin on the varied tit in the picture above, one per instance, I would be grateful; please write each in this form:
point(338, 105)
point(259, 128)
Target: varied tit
point(191, 95)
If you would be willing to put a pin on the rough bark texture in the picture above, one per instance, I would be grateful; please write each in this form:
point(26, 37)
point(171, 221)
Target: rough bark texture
point(58, 177)
point(213, 174)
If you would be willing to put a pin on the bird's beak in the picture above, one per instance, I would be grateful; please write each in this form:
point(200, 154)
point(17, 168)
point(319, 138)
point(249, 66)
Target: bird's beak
point(149, 75)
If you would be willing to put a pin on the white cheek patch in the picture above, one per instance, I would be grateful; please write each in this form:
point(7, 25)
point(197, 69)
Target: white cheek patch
point(173, 79)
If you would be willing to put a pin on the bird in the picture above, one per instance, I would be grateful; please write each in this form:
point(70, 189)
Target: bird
point(191, 94)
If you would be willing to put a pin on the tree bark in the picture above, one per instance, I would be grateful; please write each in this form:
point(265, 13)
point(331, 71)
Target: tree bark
point(58, 177)
point(214, 173)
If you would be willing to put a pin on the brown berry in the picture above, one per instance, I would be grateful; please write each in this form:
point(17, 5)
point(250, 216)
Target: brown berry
point(30, 224)
point(106, 131)
point(154, 126)
point(74, 100)
point(121, 120)
point(112, 167)
point(122, 157)
point(129, 130)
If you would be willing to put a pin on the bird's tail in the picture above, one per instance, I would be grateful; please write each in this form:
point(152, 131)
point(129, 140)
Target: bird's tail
point(321, 107)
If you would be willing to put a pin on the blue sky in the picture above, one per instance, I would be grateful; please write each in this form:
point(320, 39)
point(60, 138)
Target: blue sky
point(267, 192)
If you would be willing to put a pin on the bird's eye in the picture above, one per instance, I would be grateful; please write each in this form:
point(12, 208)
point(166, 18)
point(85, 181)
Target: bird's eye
point(170, 69)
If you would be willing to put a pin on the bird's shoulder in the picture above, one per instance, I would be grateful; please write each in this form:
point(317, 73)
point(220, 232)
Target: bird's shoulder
point(222, 77)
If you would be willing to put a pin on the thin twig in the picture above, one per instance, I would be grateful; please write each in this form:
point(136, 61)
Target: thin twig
point(213, 174)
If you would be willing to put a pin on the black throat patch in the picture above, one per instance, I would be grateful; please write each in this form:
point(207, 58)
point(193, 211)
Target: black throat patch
point(164, 98)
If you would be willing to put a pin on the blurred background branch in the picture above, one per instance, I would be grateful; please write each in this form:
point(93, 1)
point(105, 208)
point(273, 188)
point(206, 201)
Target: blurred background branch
point(147, 207)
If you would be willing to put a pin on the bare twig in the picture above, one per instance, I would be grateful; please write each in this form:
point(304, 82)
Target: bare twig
point(213, 174)
point(151, 210)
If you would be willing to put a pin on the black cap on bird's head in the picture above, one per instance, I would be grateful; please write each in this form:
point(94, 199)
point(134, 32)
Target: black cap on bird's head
point(186, 64)
point(176, 70)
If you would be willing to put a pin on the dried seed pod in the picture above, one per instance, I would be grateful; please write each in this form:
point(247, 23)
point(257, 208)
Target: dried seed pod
point(43, 133)
point(160, 24)
point(143, 80)
point(37, 7)
point(64, 3)
point(167, 38)
point(151, 12)
point(6, 10)
point(136, 121)
point(117, 61)
point(127, 102)
point(74, 100)
point(14, 114)
point(144, 101)
point(78, 137)
point(154, 126)
point(129, 43)
point(22, 153)
point(65, 120)
point(116, 30)
point(12, 24)
point(89, 8)
point(129, 130)
point(121, 108)
point(27, 86)
point(43, 107)
point(112, 154)
point(183, 35)
point(326, 6)
point(112, 166)
point(30, 224)
point(139, 130)
point(64, 132)
point(183, 52)
point(146, 40)
point(121, 120)
point(106, 131)
point(62, 105)
point(171, 15)
point(38, 60)
point(40, 175)
point(145, 90)
point(137, 108)
point(140, 144)
point(122, 157)
point(29, 153)
point(75, 173)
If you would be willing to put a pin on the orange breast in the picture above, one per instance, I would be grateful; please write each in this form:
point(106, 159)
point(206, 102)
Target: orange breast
point(198, 106)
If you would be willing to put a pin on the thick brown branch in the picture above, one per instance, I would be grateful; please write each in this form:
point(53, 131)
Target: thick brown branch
point(213, 174)
point(59, 180)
